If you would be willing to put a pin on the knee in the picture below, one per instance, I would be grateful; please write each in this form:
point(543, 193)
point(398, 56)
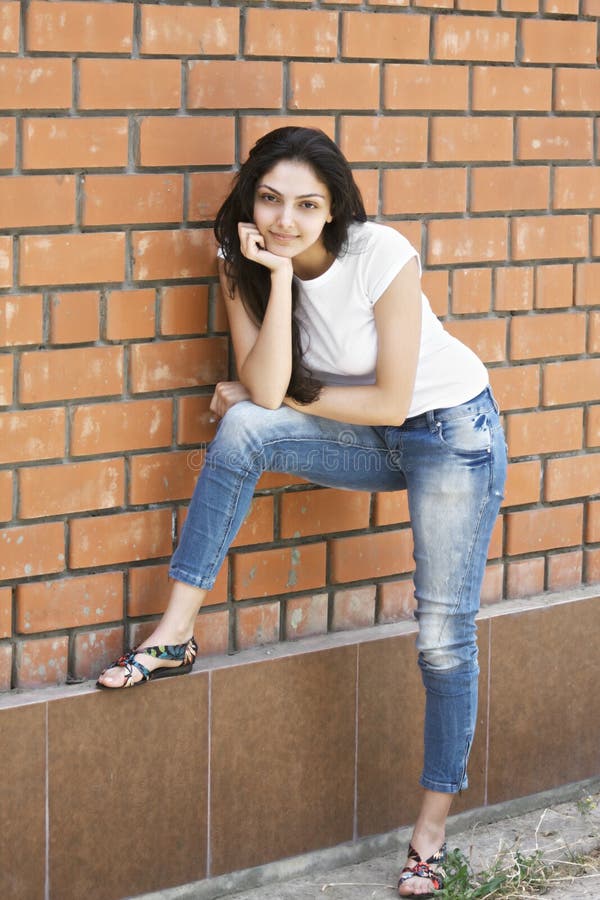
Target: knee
point(239, 435)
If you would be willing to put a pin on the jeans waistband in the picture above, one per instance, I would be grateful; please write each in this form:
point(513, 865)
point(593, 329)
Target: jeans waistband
point(483, 402)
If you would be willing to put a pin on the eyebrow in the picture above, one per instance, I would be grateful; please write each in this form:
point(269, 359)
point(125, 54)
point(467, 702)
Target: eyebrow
point(299, 197)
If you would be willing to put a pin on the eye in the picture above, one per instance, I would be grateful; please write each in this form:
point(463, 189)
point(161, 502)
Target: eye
point(268, 198)
point(308, 204)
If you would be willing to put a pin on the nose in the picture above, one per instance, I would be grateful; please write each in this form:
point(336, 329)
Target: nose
point(285, 217)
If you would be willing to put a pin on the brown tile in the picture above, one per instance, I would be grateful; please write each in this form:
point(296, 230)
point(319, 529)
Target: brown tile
point(128, 789)
point(544, 699)
point(23, 802)
point(391, 702)
point(282, 758)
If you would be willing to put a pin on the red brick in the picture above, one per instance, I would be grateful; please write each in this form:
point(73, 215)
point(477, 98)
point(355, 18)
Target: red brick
point(474, 38)
point(124, 537)
point(75, 317)
point(499, 188)
point(353, 608)
point(166, 365)
point(572, 476)
point(74, 487)
point(31, 435)
point(184, 309)
point(6, 261)
point(9, 27)
point(593, 427)
point(391, 508)
point(150, 589)
point(596, 236)
point(257, 527)
point(396, 601)
point(77, 27)
point(184, 142)
point(8, 137)
point(5, 612)
point(384, 139)
point(207, 191)
point(338, 86)
point(67, 374)
point(591, 563)
point(525, 578)
point(482, 138)
point(29, 550)
point(527, 6)
point(6, 496)
point(576, 187)
point(577, 90)
point(550, 431)
point(381, 37)
point(413, 191)
point(116, 427)
point(129, 84)
point(41, 662)
point(184, 253)
point(37, 200)
point(21, 319)
point(553, 286)
point(591, 8)
point(130, 314)
point(594, 332)
point(571, 382)
point(560, 7)
point(573, 43)
point(514, 288)
point(471, 291)
point(516, 387)
point(124, 199)
point(564, 138)
point(504, 88)
point(74, 143)
point(69, 602)
point(181, 30)
point(72, 258)
point(486, 337)
point(290, 33)
point(159, 477)
point(371, 555)
point(257, 625)
point(254, 127)
point(565, 570)
point(278, 571)
point(550, 528)
point(425, 87)
point(235, 84)
point(212, 630)
point(435, 288)
point(194, 425)
point(6, 655)
point(460, 241)
point(523, 483)
point(592, 531)
point(6, 379)
point(40, 83)
point(305, 616)
point(492, 588)
point(550, 237)
point(322, 511)
point(94, 651)
point(552, 334)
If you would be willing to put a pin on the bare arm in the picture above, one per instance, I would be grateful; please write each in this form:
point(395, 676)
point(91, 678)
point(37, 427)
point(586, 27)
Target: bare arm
point(263, 354)
point(398, 323)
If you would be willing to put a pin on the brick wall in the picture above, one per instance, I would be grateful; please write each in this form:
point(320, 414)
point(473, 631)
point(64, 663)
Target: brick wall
point(472, 127)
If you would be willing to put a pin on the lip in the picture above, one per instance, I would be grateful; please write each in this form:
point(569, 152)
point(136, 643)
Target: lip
point(283, 238)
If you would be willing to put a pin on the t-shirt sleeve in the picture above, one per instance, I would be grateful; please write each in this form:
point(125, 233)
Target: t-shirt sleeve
point(388, 253)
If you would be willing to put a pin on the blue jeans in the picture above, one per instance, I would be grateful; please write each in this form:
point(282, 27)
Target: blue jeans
point(452, 463)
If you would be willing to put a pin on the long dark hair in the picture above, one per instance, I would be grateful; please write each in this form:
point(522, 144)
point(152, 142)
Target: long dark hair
point(314, 148)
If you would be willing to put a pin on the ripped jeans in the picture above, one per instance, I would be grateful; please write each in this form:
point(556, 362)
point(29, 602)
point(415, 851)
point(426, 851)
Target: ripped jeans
point(451, 461)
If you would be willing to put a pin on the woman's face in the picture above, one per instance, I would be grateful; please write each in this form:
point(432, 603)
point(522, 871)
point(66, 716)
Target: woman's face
point(291, 206)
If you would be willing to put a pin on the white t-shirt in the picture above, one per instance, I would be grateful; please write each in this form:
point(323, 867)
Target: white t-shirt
point(337, 322)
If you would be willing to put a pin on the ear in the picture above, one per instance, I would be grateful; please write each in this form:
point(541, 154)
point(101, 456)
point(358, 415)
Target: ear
point(329, 220)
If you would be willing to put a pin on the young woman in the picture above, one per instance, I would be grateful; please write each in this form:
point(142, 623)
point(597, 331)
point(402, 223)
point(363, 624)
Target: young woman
point(347, 378)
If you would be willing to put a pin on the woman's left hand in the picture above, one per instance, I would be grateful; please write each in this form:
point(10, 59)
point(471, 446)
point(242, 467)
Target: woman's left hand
point(226, 395)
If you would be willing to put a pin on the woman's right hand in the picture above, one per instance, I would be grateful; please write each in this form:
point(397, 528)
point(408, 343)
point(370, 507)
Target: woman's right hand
point(252, 245)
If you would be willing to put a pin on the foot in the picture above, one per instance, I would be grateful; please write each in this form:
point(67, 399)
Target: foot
point(427, 866)
point(128, 670)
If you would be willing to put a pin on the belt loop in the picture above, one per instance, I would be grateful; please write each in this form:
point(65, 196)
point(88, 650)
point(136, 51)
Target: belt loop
point(431, 423)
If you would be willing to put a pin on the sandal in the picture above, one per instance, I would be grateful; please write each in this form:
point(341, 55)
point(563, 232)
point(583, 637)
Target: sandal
point(422, 868)
point(185, 652)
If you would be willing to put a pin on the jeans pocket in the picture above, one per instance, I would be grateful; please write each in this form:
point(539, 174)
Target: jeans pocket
point(470, 435)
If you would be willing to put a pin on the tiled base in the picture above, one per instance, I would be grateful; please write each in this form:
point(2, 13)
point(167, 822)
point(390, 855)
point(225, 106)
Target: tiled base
point(278, 752)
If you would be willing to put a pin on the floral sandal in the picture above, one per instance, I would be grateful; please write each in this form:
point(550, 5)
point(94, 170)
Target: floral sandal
point(184, 652)
point(424, 868)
